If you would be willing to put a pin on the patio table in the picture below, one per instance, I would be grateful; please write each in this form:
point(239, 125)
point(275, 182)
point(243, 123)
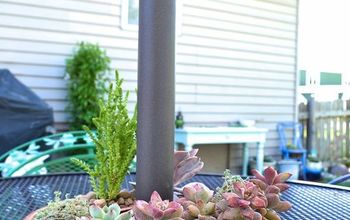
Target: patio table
point(21, 195)
point(190, 136)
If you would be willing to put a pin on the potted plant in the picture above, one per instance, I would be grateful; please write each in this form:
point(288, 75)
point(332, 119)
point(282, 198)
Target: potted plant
point(314, 168)
point(268, 162)
point(115, 141)
point(314, 164)
point(290, 166)
point(255, 198)
point(252, 198)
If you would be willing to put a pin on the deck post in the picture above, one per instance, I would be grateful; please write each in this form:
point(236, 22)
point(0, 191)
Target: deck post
point(156, 99)
point(311, 131)
point(347, 131)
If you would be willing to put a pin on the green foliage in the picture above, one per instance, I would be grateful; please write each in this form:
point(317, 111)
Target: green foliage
point(291, 146)
point(228, 185)
point(313, 159)
point(68, 209)
point(87, 83)
point(115, 143)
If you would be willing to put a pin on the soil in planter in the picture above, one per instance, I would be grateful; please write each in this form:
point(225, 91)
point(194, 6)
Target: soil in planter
point(125, 200)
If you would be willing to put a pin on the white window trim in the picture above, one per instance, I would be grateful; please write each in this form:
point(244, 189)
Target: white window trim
point(179, 14)
point(133, 27)
point(125, 17)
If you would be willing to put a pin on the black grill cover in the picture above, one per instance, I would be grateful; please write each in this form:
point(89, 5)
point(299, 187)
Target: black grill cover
point(23, 115)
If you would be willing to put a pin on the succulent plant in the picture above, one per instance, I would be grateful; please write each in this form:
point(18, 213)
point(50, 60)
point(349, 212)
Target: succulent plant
point(186, 165)
point(254, 199)
point(108, 213)
point(70, 209)
point(228, 184)
point(271, 178)
point(197, 202)
point(244, 202)
point(157, 209)
point(273, 184)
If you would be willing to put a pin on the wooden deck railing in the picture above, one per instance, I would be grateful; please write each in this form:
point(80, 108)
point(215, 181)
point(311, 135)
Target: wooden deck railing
point(330, 122)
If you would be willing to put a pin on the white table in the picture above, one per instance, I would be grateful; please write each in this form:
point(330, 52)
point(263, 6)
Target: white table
point(190, 136)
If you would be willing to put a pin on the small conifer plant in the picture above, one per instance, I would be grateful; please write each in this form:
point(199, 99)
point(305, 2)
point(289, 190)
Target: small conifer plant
point(115, 141)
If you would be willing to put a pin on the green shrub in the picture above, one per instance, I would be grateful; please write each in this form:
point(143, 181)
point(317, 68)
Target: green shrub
point(86, 71)
point(115, 143)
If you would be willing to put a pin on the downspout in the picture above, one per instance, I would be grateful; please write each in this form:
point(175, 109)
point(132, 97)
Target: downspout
point(296, 106)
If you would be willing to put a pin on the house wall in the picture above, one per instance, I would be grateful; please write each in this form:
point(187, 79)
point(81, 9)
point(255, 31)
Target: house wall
point(235, 58)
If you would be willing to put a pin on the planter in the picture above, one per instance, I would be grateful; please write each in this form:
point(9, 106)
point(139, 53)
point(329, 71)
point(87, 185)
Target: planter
point(314, 167)
point(32, 215)
point(289, 166)
point(91, 200)
point(252, 164)
point(192, 193)
point(314, 170)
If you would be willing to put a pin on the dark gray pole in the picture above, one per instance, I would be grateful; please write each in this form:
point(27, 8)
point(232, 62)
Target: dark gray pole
point(156, 95)
point(311, 132)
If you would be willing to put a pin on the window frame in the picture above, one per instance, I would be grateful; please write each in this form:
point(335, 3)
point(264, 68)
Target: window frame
point(125, 17)
point(135, 27)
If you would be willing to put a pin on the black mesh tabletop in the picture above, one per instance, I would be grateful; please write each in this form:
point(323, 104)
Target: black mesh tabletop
point(21, 195)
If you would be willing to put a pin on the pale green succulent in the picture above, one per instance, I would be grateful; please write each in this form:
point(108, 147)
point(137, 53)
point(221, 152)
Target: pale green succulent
point(108, 213)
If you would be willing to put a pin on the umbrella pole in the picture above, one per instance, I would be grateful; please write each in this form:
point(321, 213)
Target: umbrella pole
point(156, 98)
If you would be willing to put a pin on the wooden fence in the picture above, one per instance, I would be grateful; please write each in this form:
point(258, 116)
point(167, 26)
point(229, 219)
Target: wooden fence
point(327, 130)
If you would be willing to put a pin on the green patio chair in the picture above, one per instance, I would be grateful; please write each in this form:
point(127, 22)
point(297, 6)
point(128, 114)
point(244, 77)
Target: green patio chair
point(55, 161)
point(49, 154)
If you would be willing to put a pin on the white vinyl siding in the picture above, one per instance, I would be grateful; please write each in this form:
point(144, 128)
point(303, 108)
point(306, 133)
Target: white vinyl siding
point(235, 58)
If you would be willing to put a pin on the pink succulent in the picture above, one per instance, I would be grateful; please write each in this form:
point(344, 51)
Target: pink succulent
point(157, 209)
point(248, 198)
point(276, 204)
point(272, 184)
point(186, 165)
point(196, 191)
point(271, 178)
point(197, 202)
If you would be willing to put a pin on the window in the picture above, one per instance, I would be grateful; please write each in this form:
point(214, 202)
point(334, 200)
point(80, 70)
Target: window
point(130, 15)
point(133, 12)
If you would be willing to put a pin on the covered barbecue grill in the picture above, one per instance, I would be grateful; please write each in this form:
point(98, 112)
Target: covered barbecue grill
point(23, 115)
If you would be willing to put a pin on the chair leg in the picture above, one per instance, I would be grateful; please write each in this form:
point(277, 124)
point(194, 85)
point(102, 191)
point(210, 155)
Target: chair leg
point(304, 166)
point(286, 156)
